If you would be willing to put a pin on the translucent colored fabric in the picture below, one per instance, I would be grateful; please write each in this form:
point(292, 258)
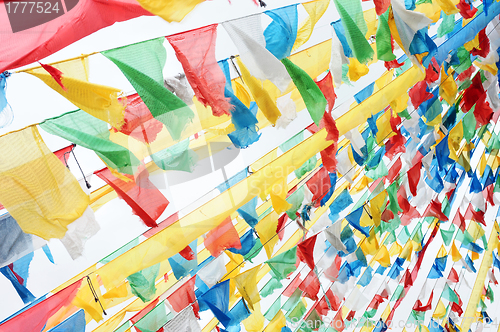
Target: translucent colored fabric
point(266, 229)
point(17, 283)
point(75, 323)
point(170, 10)
point(384, 42)
point(283, 264)
point(102, 102)
point(14, 243)
point(34, 318)
point(315, 9)
point(222, 237)
point(92, 133)
point(39, 192)
point(195, 49)
point(63, 154)
point(146, 201)
point(6, 114)
point(311, 94)
point(24, 46)
point(142, 64)
point(267, 104)
point(246, 283)
point(247, 35)
point(355, 27)
point(184, 321)
point(79, 231)
point(281, 33)
point(178, 157)
point(182, 265)
point(142, 283)
point(184, 296)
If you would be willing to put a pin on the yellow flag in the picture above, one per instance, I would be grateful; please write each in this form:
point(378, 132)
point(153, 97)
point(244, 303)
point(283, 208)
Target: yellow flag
point(356, 69)
point(315, 9)
point(278, 196)
point(242, 93)
point(277, 323)
point(454, 139)
point(255, 322)
point(100, 101)
point(395, 249)
point(455, 254)
point(266, 228)
point(170, 10)
point(448, 88)
point(442, 252)
point(246, 283)
point(407, 250)
point(261, 96)
point(376, 204)
point(440, 310)
point(384, 127)
point(370, 245)
point(448, 6)
point(383, 256)
point(39, 192)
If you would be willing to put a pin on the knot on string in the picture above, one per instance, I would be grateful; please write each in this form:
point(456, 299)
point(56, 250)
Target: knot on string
point(94, 293)
point(5, 74)
point(262, 3)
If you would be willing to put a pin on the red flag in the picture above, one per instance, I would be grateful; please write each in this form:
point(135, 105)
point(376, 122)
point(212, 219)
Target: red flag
point(63, 154)
point(222, 237)
point(34, 318)
point(466, 74)
point(434, 210)
point(305, 251)
point(482, 112)
point(466, 10)
point(418, 94)
point(329, 159)
point(337, 322)
point(472, 93)
point(280, 230)
point(322, 307)
point(310, 286)
point(459, 220)
point(139, 122)
point(432, 72)
point(456, 308)
point(329, 124)
point(29, 40)
point(453, 276)
point(292, 286)
point(484, 45)
point(195, 49)
point(326, 86)
point(381, 7)
point(146, 201)
point(419, 307)
point(394, 171)
point(393, 63)
point(187, 253)
point(319, 185)
point(414, 177)
point(184, 296)
point(55, 73)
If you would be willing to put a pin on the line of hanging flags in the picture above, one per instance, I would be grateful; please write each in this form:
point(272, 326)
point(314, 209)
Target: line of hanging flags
point(418, 143)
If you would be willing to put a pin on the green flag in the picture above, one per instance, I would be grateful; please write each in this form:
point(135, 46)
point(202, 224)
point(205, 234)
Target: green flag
point(311, 94)
point(283, 264)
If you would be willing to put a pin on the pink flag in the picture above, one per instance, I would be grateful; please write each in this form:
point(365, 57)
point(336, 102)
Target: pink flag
point(195, 50)
point(27, 39)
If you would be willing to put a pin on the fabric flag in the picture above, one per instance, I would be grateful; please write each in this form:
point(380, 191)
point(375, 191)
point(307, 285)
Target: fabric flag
point(170, 10)
point(217, 300)
point(195, 49)
point(44, 208)
point(178, 157)
point(185, 261)
point(35, 317)
point(6, 114)
point(26, 41)
point(79, 231)
point(319, 185)
point(354, 219)
point(185, 321)
point(63, 154)
point(146, 201)
point(315, 9)
point(353, 21)
point(281, 33)
point(142, 64)
point(19, 285)
point(142, 283)
point(184, 296)
point(311, 94)
point(222, 237)
point(89, 132)
point(14, 243)
point(326, 87)
point(283, 264)
point(305, 251)
point(338, 57)
point(408, 22)
point(247, 35)
point(100, 101)
point(75, 323)
point(246, 283)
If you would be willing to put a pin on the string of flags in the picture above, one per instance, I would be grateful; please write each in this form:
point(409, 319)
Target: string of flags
point(409, 168)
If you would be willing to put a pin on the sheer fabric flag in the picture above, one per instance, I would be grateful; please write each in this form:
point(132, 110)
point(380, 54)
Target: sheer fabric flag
point(92, 133)
point(22, 45)
point(247, 35)
point(315, 9)
point(142, 64)
point(14, 243)
point(103, 102)
point(35, 318)
point(183, 322)
point(39, 192)
point(146, 201)
point(195, 49)
point(281, 33)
